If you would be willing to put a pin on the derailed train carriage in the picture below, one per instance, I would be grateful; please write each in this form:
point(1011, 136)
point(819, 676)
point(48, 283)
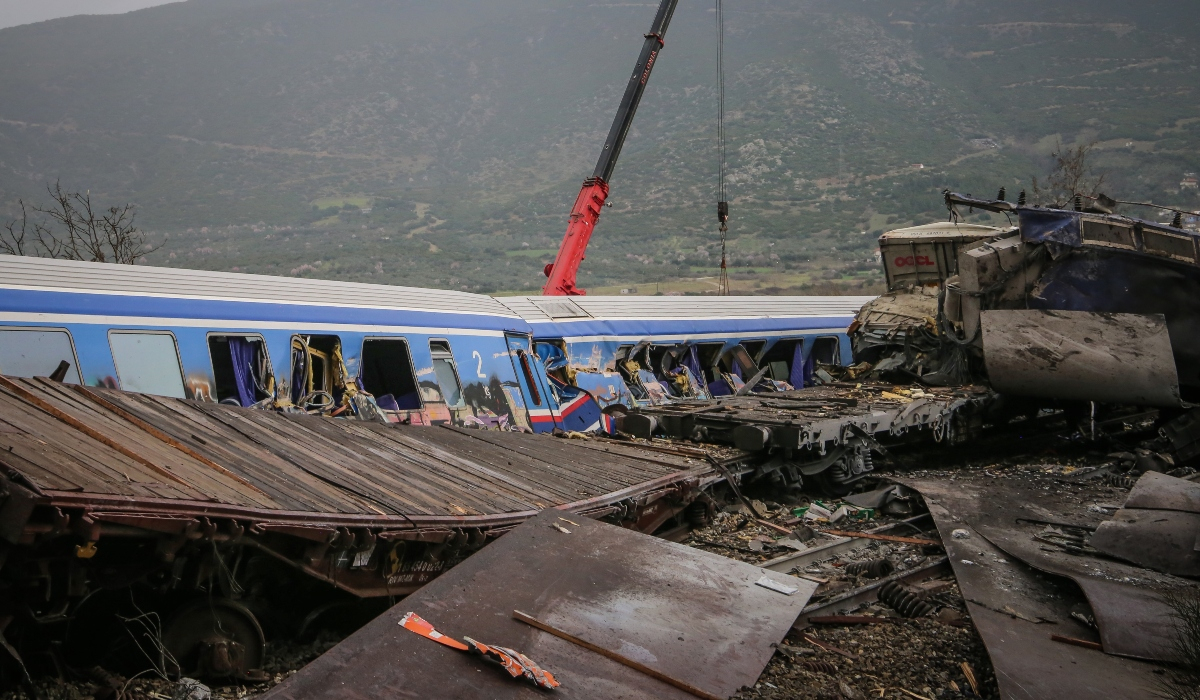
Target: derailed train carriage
point(421, 356)
point(261, 507)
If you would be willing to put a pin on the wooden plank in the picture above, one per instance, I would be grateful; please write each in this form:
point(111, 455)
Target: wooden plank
point(455, 475)
point(155, 432)
point(285, 440)
point(292, 488)
point(60, 413)
point(443, 485)
point(94, 465)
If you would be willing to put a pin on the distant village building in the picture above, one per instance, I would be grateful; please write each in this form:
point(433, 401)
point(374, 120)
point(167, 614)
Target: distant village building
point(365, 210)
point(1189, 182)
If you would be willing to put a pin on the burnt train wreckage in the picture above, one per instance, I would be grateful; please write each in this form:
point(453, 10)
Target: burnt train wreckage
point(1065, 305)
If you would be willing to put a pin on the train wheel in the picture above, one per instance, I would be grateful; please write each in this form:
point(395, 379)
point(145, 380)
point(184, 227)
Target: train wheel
point(216, 638)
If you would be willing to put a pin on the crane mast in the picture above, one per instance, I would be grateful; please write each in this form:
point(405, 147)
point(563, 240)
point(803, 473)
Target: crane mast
point(594, 192)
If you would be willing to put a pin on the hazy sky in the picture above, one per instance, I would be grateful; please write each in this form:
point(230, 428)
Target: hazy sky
point(14, 12)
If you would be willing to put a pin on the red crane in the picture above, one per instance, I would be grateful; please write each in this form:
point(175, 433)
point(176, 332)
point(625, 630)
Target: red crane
point(592, 195)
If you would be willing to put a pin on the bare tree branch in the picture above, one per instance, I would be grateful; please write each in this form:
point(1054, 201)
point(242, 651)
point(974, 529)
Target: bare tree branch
point(13, 241)
point(1072, 174)
point(72, 230)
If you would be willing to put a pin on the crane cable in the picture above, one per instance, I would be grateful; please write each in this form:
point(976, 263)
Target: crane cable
point(722, 202)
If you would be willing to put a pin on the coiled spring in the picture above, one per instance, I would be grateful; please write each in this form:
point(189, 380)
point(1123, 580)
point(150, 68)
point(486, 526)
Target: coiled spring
point(874, 568)
point(1120, 481)
point(904, 601)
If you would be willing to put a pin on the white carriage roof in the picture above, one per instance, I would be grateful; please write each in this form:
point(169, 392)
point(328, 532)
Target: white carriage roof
point(609, 308)
point(107, 278)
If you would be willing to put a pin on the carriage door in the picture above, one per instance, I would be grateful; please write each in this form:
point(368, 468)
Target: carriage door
point(538, 402)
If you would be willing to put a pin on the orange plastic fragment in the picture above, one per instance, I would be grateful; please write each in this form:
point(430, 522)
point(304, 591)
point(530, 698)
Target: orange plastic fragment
point(514, 662)
point(415, 623)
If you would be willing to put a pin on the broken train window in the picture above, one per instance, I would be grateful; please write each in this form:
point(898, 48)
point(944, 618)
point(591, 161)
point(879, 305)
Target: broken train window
point(318, 379)
point(448, 387)
point(241, 369)
point(825, 351)
point(785, 362)
point(386, 371)
point(754, 348)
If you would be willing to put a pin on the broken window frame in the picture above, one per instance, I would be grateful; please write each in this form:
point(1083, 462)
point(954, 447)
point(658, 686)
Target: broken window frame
point(710, 354)
point(267, 385)
point(755, 354)
point(334, 372)
point(535, 394)
point(50, 329)
point(412, 370)
point(446, 356)
point(790, 345)
point(113, 332)
point(837, 350)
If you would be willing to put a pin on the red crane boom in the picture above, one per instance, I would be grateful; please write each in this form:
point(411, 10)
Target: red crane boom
point(586, 212)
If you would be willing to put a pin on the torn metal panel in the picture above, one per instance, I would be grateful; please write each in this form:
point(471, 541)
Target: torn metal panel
point(1133, 618)
point(686, 613)
point(1081, 355)
point(1162, 492)
point(1016, 610)
point(1159, 527)
point(1127, 601)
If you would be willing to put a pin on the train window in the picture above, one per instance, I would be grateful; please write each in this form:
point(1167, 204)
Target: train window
point(527, 370)
point(241, 368)
point(446, 372)
point(318, 375)
point(710, 354)
point(147, 362)
point(387, 373)
point(754, 347)
point(825, 350)
point(785, 361)
point(35, 352)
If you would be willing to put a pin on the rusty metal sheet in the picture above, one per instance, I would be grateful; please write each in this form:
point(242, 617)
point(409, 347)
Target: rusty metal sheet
point(1162, 492)
point(1081, 355)
point(692, 615)
point(1014, 609)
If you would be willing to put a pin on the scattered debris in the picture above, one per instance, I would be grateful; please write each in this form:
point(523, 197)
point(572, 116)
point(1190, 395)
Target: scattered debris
point(513, 662)
point(191, 689)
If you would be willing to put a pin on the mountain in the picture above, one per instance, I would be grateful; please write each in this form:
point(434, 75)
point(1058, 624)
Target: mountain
point(255, 135)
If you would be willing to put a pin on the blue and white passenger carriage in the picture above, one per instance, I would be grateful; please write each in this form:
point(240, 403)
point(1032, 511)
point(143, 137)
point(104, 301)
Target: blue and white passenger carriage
point(420, 356)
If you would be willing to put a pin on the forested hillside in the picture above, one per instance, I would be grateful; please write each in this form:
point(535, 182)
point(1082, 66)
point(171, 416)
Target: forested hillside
point(441, 144)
